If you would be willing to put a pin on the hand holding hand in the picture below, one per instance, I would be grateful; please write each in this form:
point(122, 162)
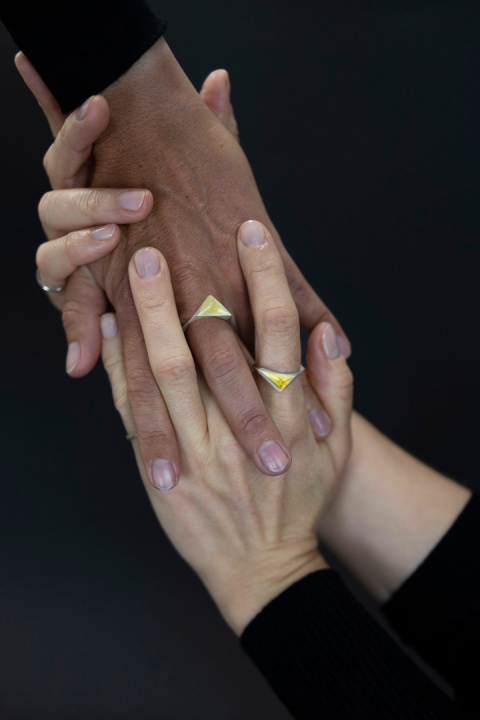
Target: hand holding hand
point(247, 536)
point(198, 156)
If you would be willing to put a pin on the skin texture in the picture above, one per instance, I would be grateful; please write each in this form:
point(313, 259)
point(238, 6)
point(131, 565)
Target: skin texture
point(163, 137)
point(247, 536)
point(390, 510)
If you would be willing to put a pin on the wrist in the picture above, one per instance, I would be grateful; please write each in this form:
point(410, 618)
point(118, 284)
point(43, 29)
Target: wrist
point(251, 586)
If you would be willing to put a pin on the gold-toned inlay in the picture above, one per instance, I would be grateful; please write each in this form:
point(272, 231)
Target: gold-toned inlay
point(278, 380)
point(211, 307)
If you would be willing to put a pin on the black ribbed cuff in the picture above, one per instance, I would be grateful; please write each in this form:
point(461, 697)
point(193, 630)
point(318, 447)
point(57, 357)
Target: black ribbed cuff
point(79, 48)
point(325, 656)
point(437, 610)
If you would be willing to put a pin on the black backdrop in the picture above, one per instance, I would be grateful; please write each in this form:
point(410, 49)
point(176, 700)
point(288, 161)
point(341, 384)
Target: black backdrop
point(361, 121)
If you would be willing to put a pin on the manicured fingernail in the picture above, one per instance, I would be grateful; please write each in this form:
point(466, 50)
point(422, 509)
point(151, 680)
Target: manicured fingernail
point(163, 474)
point(330, 343)
point(131, 200)
point(108, 324)
point(82, 110)
point(104, 232)
point(273, 457)
point(73, 356)
point(345, 348)
point(146, 262)
point(252, 233)
point(320, 422)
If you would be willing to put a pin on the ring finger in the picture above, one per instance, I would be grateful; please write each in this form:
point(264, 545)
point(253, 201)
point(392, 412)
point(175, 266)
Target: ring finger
point(58, 259)
point(277, 328)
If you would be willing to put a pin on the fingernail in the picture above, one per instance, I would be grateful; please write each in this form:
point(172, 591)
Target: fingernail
point(252, 233)
point(108, 324)
point(273, 457)
point(330, 343)
point(344, 346)
point(82, 110)
point(146, 262)
point(227, 82)
point(163, 474)
point(103, 233)
point(131, 200)
point(73, 356)
point(320, 422)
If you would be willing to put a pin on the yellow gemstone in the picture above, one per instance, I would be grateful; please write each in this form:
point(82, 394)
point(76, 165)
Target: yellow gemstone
point(212, 308)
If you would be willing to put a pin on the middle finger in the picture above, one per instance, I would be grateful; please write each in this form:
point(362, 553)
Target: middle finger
point(64, 210)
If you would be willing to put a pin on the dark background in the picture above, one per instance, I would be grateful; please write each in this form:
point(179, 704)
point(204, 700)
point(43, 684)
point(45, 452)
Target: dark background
point(361, 121)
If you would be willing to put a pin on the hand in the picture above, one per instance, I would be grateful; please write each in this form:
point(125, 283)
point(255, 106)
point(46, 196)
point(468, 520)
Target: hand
point(247, 536)
point(68, 163)
point(204, 190)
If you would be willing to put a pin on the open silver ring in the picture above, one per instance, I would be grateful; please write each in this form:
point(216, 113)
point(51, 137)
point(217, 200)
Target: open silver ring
point(278, 380)
point(211, 307)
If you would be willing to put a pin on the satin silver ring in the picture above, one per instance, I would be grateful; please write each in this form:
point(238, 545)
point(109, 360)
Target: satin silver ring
point(211, 307)
point(278, 380)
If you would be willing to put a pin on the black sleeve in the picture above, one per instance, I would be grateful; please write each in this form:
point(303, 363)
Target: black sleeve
point(437, 610)
point(326, 657)
point(79, 48)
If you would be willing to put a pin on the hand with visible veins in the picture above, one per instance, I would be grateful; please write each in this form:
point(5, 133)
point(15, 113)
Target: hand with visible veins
point(389, 508)
point(203, 189)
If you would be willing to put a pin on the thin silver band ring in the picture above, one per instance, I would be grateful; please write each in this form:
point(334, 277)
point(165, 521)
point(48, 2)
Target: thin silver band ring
point(47, 289)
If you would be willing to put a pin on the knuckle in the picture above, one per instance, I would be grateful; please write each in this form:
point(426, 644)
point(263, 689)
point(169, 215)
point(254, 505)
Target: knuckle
point(92, 202)
point(176, 370)
point(279, 320)
point(253, 423)
point(44, 206)
point(141, 387)
point(74, 313)
point(267, 264)
point(222, 364)
point(47, 161)
point(152, 304)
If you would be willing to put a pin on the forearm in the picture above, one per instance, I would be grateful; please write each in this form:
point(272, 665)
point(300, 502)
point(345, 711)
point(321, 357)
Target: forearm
point(389, 513)
point(81, 48)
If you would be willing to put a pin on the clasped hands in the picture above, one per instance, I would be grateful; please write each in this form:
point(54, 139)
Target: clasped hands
point(247, 536)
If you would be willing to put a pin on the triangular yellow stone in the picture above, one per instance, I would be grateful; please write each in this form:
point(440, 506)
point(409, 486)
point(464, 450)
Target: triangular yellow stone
point(212, 308)
point(278, 380)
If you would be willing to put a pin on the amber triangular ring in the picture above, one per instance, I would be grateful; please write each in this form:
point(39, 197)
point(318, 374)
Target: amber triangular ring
point(278, 380)
point(210, 307)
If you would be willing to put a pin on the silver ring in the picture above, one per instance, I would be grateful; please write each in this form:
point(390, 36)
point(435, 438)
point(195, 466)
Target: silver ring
point(211, 307)
point(47, 289)
point(278, 380)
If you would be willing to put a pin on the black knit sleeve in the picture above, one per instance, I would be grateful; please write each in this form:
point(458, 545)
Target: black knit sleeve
point(79, 48)
point(437, 610)
point(326, 657)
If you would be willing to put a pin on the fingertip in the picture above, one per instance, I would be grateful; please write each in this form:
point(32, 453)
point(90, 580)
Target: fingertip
point(146, 263)
point(163, 474)
point(19, 61)
point(252, 233)
point(81, 359)
point(99, 111)
point(108, 326)
point(273, 458)
point(345, 346)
